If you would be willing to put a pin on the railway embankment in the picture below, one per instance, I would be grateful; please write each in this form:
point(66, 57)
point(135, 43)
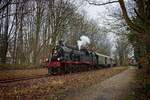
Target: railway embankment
point(19, 73)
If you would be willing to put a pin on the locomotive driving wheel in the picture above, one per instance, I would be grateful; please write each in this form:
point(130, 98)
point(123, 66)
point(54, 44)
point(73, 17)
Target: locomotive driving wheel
point(49, 71)
point(52, 71)
point(66, 70)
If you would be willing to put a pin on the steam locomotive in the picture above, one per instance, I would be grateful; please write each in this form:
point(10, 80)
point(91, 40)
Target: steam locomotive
point(66, 59)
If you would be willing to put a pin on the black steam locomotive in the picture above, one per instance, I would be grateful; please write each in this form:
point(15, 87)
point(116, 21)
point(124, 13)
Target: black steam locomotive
point(66, 59)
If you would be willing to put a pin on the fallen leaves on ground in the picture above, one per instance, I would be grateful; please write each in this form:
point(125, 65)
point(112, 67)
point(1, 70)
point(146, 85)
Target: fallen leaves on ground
point(55, 87)
point(7, 74)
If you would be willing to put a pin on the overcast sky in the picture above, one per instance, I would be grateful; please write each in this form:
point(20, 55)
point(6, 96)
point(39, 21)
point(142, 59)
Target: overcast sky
point(95, 11)
point(100, 13)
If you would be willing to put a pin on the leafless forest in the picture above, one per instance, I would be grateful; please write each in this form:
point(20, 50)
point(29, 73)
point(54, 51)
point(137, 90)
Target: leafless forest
point(30, 28)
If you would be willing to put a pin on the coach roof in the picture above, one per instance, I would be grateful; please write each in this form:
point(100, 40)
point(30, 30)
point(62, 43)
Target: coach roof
point(102, 55)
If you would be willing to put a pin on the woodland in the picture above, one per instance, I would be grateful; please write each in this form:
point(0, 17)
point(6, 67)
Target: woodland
point(29, 29)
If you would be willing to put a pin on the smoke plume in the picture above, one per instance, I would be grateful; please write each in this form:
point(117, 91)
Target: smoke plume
point(84, 40)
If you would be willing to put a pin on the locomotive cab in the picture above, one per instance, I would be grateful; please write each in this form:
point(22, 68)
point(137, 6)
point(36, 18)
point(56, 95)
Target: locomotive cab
point(57, 54)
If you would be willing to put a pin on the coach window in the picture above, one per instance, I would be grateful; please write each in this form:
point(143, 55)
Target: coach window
point(105, 60)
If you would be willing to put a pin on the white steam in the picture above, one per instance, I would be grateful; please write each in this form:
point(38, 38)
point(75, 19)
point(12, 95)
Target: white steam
point(84, 40)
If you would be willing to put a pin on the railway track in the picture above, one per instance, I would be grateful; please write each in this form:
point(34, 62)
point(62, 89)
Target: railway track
point(9, 80)
point(22, 78)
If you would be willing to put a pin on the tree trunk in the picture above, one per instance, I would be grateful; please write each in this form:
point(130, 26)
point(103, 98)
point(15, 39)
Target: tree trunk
point(4, 45)
point(37, 32)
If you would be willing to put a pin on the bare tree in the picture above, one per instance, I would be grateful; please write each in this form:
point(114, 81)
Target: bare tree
point(4, 34)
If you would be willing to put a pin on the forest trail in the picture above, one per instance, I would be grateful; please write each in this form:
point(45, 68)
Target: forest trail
point(114, 88)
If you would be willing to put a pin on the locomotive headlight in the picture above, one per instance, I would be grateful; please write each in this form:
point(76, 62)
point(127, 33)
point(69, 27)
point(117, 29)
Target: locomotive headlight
point(55, 51)
point(58, 59)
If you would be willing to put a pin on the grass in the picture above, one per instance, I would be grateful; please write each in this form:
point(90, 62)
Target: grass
point(17, 66)
point(7, 74)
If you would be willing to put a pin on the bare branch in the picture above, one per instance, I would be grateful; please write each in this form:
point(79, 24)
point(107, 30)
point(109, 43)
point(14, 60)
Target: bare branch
point(140, 17)
point(100, 4)
point(12, 14)
point(130, 23)
point(3, 7)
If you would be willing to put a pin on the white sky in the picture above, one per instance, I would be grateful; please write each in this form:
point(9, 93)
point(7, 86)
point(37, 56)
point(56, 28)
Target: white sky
point(99, 13)
point(94, 11)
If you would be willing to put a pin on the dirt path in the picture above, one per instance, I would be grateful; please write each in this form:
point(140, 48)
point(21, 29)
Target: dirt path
point(114, 88)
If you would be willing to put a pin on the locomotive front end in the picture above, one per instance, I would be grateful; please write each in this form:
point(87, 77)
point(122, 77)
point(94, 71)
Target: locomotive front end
point(55, 60)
